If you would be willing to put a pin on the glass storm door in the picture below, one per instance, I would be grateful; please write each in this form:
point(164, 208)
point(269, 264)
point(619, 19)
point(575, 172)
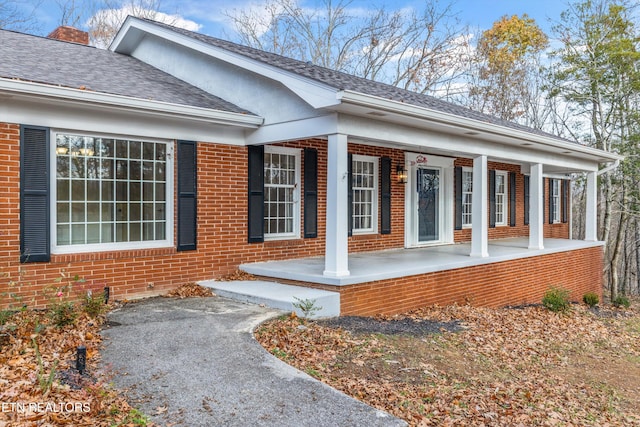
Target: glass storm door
point(428, 188)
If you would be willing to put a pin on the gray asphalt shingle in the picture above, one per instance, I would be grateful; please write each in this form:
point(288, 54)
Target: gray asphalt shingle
point(58, 63)
point(343, 81)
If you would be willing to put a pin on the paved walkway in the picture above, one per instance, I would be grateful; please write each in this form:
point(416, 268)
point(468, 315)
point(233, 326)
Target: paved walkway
point(197, 358)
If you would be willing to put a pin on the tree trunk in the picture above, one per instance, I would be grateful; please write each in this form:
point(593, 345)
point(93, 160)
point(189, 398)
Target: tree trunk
point(614, 283)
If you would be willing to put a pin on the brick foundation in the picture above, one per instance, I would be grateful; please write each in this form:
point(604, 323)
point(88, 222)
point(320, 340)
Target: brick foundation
point(521, 281)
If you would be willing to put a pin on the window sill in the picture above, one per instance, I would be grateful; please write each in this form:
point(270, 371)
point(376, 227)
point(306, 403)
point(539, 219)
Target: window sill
point(107, 255)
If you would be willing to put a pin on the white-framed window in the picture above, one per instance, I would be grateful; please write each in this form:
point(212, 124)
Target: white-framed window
point(281, 193)
point(502, 201)
point(555, 199)
point(364, 172)
point(111, 193)
point(467, 196)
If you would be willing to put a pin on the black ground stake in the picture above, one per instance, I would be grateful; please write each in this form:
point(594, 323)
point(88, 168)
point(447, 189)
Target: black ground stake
point(81, 359)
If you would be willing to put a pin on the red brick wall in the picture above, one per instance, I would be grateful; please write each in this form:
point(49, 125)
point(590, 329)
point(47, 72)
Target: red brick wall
point(521, 281)
point(222, 231)
point(560, 230)
point(70, 34)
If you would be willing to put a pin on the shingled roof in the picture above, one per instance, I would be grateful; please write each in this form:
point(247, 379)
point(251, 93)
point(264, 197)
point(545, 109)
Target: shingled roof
point(344, 81)
point(57, 63)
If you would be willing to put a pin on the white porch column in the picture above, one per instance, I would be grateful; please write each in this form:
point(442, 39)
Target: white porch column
point(536, 208)
point(480, 219)
point(336, 252)
point(591, 223)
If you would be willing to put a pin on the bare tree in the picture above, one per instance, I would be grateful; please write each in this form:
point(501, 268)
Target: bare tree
point(110, 14)
point(75, 13)
point(18, 16)
point(421, 51)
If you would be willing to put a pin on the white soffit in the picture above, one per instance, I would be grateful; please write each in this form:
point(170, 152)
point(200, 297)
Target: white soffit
point(382, 109)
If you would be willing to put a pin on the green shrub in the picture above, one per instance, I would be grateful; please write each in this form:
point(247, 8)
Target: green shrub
point(621, 301)
point(93, 304)
point(591, 299)
point(63, 313)
point(556, 299)
point(5, 315)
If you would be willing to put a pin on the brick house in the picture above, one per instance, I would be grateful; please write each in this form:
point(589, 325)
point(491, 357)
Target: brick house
point(175, 157)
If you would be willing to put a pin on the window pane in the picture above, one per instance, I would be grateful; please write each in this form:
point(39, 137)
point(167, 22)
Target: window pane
point(77, 212)
point(93, 212)
point(63, 234)
point(93, 233)
point(148, 151)
point(148, 211)
point(77, 234)
point(106, 147)
point(160, 192)
point(135, 150)
point(93, 190)
point(107, 191)
point(62, 188)
point(148, 230)
point(122, 149)
point(135, 212)
point(62, 212)
point(134, 171)
point(135, 192)
point(122, 169)
point(107, 212)
point(107, 233)
point(77, 190)
point(161, 152)
point(62, 166)
point(103, 171)
point(147, 171)
point(135, 232)
point(106, 172)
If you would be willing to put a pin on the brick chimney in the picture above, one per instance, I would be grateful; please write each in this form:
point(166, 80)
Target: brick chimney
point(70, 34)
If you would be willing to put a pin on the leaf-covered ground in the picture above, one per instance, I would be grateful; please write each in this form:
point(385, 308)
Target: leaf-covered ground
point(38, 383)
point(517, 367)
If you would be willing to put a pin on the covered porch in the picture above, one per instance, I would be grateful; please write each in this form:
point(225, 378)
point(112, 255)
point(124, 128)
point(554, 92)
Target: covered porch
point(366, 267)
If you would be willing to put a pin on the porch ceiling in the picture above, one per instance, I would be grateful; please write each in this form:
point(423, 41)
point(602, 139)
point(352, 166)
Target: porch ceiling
point(390, 264)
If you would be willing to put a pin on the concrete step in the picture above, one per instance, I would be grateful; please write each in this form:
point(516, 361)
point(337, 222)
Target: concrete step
point(277, 295)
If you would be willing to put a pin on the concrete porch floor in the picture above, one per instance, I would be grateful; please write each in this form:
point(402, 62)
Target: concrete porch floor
point(389, 264)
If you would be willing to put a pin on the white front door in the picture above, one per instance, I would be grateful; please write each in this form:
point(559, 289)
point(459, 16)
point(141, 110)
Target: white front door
point(429, 200)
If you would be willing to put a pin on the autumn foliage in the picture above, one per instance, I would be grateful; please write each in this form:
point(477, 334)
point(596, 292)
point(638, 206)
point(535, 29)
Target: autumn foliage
point(525, 366)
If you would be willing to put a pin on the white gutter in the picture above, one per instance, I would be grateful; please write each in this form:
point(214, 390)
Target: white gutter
point(10, 88)
point(449, 119)
point(609, 168)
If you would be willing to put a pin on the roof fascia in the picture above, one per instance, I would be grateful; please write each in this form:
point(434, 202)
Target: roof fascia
point(390, 106)
point(38, 90)
point(316, 94)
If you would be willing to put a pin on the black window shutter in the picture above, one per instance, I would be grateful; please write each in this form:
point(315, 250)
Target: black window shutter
point(350, 192)
point(34, 194)
point(310, 192)
point(527, 184)
point(385, 195)
point(565, 200)
point(256, 193)
point(187, 196)
point(543, 199)
point(551, 210)
point(512, 199)
point(458, 184)
point(492, 198)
